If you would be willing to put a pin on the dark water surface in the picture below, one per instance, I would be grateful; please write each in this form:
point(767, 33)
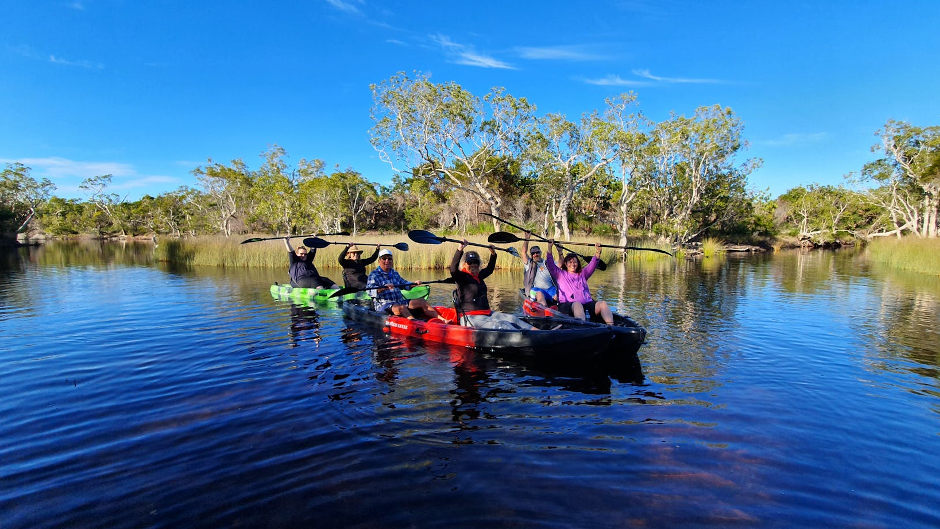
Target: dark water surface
point(796, 390)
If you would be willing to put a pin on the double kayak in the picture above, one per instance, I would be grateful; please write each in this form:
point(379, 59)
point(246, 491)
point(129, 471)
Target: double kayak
point(628, 335)
point(322, 295)
point(571, 343)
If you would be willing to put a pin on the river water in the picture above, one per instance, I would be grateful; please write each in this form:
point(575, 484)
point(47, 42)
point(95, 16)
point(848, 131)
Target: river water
point(789, 390)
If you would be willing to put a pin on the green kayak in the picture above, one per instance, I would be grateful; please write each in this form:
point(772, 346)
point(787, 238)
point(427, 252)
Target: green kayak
point(312, 295)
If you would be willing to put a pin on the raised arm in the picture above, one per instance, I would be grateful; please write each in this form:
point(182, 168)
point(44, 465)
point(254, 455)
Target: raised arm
point(287, 243)
point(373, 257)
point(490, 265)
point(455, 262)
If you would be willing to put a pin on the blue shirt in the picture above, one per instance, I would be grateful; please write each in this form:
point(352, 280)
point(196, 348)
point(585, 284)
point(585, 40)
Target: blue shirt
point(386, 298)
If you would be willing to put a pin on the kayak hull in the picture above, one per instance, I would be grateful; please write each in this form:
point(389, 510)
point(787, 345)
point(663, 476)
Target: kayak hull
point(572, 343)
point(621, 355)
point(322, 296)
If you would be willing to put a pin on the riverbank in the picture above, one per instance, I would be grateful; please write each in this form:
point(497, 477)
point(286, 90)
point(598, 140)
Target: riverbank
point(229, 253)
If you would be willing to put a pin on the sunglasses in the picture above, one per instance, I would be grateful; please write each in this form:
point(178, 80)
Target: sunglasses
point(385, 258)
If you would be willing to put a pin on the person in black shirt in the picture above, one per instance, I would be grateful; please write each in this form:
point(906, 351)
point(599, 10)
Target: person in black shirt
point(302, 271)
point(472, 301)
point(354, 268)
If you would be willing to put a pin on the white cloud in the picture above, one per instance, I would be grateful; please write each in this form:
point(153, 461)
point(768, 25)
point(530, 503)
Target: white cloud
point(67, 174)
point(81, 64)
point(685, 80)
point(558, 53)
point(55, 167)
point(346, 6)
point(616, 80)
point(794, 138)
point(462, 54)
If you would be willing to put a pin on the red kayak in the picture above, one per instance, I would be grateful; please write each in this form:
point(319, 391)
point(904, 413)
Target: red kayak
point(555, 342)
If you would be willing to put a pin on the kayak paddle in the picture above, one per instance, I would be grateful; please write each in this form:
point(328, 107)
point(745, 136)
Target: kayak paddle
point(316, 242)
point(502, 237)
point(426, 237)
point(256, 239)
point(600, 262)
point(352, 290)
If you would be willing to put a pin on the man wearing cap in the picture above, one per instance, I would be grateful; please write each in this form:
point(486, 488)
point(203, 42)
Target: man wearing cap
point(473, 303)
point(385, 282)
point(354, 268)
point(302, 271)
point(537, 283)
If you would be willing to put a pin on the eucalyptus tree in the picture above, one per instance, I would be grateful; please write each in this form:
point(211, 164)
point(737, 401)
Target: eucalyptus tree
point(694, 181)
point(909, 173)
point(21, 196)
point(279, 203)
point(114, 216)
point(624, 127)
point(448, 129)
point(569, 155)
point(228, 189)
point(356, 195)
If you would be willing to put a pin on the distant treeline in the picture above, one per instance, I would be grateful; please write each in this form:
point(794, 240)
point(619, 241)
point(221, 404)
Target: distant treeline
point(456, 156)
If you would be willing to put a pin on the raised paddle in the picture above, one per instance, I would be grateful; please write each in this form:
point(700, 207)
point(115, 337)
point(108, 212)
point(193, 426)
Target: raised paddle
point(502, 237)
point(352, 290)
point(600, 262)
point(426, 237)
point(256, 239)
point(316, 242)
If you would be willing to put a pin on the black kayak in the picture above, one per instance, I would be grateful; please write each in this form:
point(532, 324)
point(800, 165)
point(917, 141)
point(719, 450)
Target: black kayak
point(621, 355)
point(569, 343)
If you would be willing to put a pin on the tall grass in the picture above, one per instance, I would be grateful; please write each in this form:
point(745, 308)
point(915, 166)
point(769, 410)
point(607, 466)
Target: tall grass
point(229, 253)
point(918, 255)
point(712, 247)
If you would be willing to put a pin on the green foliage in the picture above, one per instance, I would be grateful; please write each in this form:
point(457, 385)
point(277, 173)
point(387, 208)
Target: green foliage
point(21, 196)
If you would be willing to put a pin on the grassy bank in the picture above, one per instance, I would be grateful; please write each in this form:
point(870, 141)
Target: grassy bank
point(219, 251)
point(912, 254)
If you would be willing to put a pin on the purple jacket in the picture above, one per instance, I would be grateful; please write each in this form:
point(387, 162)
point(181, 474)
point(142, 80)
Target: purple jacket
point(571, 287)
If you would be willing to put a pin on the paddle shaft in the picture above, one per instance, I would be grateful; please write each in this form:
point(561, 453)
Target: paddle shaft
point(258, 239)
point(600, 263)
point(351, 290)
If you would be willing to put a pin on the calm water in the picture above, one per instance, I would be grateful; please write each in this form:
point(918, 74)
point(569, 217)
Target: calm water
point(797, 390)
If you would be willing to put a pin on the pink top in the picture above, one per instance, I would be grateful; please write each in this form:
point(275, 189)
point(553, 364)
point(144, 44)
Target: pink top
point(571, 287)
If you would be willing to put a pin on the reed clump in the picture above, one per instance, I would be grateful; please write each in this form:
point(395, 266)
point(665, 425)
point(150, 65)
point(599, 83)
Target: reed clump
point(909, 253)
point(712, 247)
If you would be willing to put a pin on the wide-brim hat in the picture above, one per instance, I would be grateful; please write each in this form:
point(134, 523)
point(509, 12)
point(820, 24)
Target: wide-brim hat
point(353, 249)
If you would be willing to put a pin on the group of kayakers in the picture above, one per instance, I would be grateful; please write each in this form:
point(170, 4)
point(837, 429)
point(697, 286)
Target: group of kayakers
point(544, 281)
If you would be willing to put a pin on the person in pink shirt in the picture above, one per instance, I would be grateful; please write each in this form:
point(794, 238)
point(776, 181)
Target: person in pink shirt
point(574, 296)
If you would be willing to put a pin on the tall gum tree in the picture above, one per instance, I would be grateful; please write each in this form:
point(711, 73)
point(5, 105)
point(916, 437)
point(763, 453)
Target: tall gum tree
point(448, 129)
point(695, 181)
point(21, 196)
point(568, 155)
point(910, 175)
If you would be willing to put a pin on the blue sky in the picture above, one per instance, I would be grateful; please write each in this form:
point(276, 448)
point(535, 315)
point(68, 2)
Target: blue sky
point(147, 91)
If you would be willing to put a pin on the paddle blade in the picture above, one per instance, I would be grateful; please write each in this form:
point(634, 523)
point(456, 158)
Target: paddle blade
point(344, 291)
point(424, 237)
point(333, 234)
point(601, 265)
point(401, 246)
point(502, 237)
point(315, 242)
point(512, 251)
point(255, 239)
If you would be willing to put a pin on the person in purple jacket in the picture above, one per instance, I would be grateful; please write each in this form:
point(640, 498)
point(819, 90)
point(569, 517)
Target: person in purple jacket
point(574, 296)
